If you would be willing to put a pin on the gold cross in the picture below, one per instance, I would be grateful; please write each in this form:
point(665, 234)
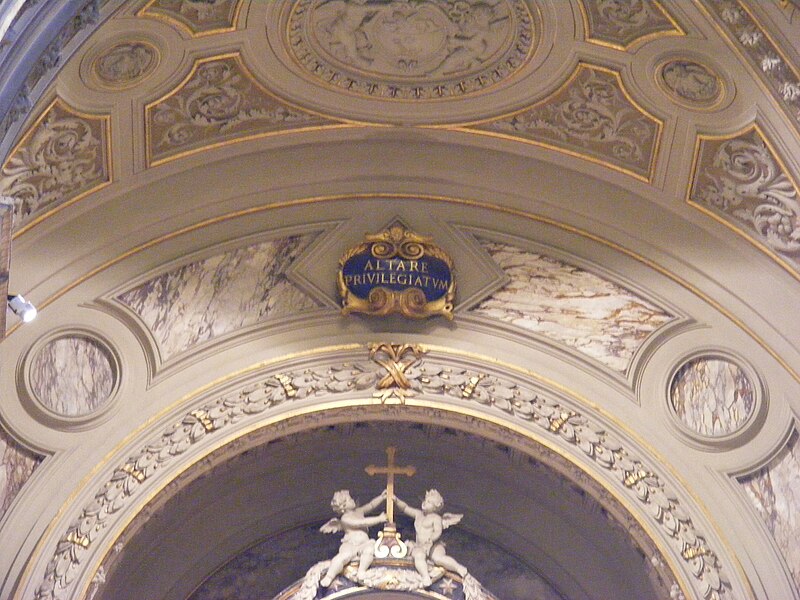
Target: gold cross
point(390, 470)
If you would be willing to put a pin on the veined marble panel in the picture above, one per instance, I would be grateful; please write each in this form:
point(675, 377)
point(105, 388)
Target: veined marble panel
point(219, 102)
point(712, 396)
point(72, 375)
point(16, 466)
point(569, 305)
point(590, 116)
point(775, 492)
point(200, 17)
point(621, 23)
point(6, 215)
point(208, 298)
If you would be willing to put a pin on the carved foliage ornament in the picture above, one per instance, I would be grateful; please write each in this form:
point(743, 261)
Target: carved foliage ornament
point(62, 157)
point(199, 17)
point(565, 425)
point(397, 271)
point(219, 101)
point(590, 116)
point(411, 49)
point(621, 23)
point(740, 181)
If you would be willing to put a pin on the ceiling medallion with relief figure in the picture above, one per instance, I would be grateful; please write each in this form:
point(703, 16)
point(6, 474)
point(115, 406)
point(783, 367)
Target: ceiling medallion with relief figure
point(411, 49)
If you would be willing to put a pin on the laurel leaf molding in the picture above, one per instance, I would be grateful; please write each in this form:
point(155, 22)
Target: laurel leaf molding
point(269, 396)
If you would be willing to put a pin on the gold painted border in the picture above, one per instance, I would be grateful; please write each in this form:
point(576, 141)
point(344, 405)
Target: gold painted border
point(467, 127)
point(787, 266)
point(434, 198)
point(676, 31)
point(105, 120)
point(536, 20)
point(338, 123)
point(181, 26)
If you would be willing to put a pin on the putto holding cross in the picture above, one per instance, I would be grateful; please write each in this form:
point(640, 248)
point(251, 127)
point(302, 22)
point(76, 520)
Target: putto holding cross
point(385, 563)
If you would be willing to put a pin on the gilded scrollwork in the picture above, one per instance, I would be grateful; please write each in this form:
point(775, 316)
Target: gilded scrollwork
point(218, 102)
point(741, 181)
point(622, 23)
point(411, 50)
point(428, 377)
point(200, 17)
point(63, 156)
point(590, 116)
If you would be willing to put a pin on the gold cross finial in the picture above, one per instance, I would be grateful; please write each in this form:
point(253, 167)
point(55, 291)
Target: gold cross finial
point(390, 470)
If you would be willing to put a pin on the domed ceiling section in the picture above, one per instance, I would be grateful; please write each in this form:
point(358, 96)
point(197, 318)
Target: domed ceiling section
point(617, 182)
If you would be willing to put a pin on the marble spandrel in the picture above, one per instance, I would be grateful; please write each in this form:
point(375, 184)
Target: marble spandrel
point(16, 466)
point(208, 298)
point(72, 375)
point(712, 396)
point(569, 305)
point(775, 493)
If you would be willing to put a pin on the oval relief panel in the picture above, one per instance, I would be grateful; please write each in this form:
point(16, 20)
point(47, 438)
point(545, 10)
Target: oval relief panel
point(712, 396)
point(425, 49)
point(690, 83)
point(72, 375)
point(124, 64)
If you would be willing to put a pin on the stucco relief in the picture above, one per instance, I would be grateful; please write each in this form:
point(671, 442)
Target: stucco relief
point(690, 83)
point(638, 480)
point(712, 396)
point(208, 298)
point(569, 305)
point(197, 16)
point(413, 50)
point(16, 466)
point(748, 35)
point(73, 375)
point(621, 23)
point(590, 116)
point(63, 157)
point(125, 64)
point(740, 181)
point(219, 101)
point(775, 493)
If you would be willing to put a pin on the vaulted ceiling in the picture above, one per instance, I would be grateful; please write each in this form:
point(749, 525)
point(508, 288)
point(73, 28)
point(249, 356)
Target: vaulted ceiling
point(615, 180)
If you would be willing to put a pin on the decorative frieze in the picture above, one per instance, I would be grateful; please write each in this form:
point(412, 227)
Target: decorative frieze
point(218, 102)
point(220, 294)
point(63, 157)
point(591, 116)
point(571, 306)
point(741, 182)
point(622, 23)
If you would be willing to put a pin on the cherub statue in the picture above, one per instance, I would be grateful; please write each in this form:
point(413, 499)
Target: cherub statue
point(356, 542)
point(429, 524)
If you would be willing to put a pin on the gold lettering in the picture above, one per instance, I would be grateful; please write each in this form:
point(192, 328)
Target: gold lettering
point(378, 265)
point(368, 266)
point(413, 265)
point(401, 265)
point(424, 267)
point(392, 278)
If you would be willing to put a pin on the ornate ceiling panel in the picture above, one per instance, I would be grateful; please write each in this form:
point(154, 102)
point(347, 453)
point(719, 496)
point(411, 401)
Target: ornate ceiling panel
point(623, 24)
point(198, 17)
point(63, 157)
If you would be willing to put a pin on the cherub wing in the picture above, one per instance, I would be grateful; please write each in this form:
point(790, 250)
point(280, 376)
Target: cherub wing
point(332, 526)
point(449, 519)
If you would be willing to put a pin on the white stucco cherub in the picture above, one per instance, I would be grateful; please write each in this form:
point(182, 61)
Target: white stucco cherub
point(429, 524)
point(355, 524)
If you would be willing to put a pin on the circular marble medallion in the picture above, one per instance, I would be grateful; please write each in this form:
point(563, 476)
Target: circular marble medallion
point(124, 64)
point(712, 396)
point(425, 49)
point(690, 83)
point(73, 375)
